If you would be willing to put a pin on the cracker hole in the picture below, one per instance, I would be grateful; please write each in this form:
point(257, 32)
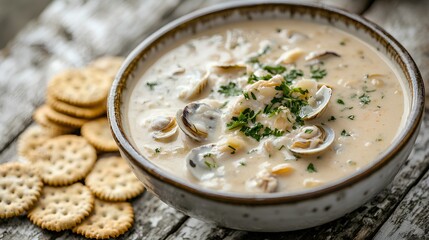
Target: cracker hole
point(115, 217)
point(101, 225)
point(8, 202)
point(20, 195)
point(121, 208)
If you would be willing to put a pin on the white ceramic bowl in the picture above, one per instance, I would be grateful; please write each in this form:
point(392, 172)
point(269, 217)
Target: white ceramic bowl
point(276, 211)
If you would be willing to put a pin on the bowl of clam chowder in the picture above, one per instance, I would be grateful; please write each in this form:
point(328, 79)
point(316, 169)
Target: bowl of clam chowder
point(267, 115)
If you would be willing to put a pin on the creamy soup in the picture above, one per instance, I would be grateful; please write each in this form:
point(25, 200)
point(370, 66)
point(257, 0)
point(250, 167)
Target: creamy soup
point(266, 106)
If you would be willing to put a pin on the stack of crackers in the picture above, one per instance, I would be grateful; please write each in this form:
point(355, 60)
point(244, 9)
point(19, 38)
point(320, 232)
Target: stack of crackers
point(73, 177)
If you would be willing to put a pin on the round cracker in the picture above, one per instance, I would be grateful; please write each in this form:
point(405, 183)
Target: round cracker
point(63, 119)
point(75, 111)
point(40, 117)
point(61, 208)
point(65, 159)
point(20, 187)
point(32, 139)
point(98, 133)
point(107, 220)
point(80, 87)
point(112, 179)
point(109, 65)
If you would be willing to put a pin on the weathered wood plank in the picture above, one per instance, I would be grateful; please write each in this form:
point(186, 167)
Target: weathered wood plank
point(408, 22)
point(410, 219)
point(67, 34)
point(360, 224)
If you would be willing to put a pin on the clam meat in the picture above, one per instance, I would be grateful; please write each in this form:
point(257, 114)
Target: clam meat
point(202, 162)
point(198, 84)
point(164, 128)
point(263, 182)
point(316, 103)
point(312, 140)
point(199, 121)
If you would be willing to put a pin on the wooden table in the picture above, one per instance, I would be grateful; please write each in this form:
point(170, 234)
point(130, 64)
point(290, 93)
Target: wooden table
point(71, 33)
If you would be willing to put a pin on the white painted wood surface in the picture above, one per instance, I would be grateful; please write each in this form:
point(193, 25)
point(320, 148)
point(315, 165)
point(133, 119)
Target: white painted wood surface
point(72, 32)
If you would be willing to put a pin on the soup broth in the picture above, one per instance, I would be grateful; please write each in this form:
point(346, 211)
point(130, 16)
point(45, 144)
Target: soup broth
point(266, 106)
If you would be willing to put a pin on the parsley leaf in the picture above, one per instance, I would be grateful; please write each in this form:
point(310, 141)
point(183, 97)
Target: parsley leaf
point(230, 90)
point(278, 69)
point(364, 99)
point(344, 133)
point(293, 74)
point(151, 85)
point(317, 73)
point(311, 168)
point(253, 78)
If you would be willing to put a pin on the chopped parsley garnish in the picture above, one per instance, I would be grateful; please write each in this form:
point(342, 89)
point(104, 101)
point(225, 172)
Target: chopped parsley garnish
point(242, 163)
point(253, 95)
point(292, 75)
point(351, 117)
point(157, 150)
point(230, 90)
point(311, 168)
point(378, 139)
point(208, 155)
point(281, 147)
point(151, 85)
point(233, 149)
point(317, 73)
point(364, 99)
point(246, 95)
point(243, 119)
point(332, 118)
point(278, 69)
point(343, 43)
point(340, 101)
point(308, 131)
point(224, 105)
point(253, 78)
point(344, 133)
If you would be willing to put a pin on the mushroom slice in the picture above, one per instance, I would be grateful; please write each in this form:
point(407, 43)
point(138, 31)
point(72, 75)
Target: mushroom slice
point(197, 85)
point(263, 182)
point(164, 128)
point(202, 163)
point(199, 121)
point(317, 56)
point(317, 103)
point(311, 140)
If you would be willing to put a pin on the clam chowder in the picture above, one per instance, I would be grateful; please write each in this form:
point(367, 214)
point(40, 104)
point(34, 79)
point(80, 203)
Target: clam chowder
point(266, 106)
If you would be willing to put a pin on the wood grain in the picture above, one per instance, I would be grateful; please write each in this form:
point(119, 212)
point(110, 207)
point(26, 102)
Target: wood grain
point(410, 219)
point(70, 33)
point(67, 34)
point(408, 22)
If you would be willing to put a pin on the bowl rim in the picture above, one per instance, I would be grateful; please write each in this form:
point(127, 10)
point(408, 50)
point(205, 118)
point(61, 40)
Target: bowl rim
point(400, 142)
